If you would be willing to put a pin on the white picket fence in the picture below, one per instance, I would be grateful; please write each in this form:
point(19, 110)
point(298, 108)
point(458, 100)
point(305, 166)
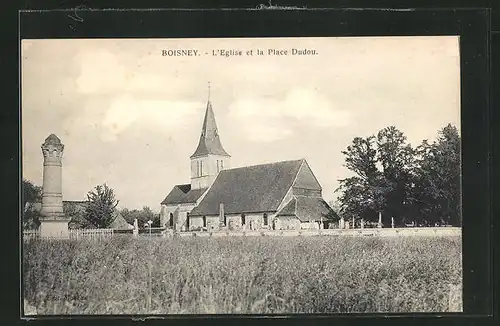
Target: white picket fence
point(77, 234)
point(31, 234)
point(81, 234)
point(74, 234)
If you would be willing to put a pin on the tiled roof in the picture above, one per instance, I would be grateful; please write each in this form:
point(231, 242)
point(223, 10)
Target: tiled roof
point(258, 188)
point(120, 223)
point(52, 140)
point(289, 209)
point(307, 209)
point(209, 139)
point(183, 194)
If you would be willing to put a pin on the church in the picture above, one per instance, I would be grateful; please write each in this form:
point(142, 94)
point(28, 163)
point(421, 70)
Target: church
point(281, 195)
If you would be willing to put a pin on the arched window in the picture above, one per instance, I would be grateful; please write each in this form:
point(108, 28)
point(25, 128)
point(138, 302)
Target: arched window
point(204, 221)
point(187, 221)
point(243, 222)
point(265, 219)
point(217, 166)
point(171, 220)
point(221, 164)
point(197, 168)
point(201, 168)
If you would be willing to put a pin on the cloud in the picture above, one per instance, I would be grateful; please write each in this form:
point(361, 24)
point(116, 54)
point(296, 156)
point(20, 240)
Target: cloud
point(100, 72)
point(126, 110)
point(267, 120)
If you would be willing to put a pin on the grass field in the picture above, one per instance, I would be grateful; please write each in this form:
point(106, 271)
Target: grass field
point(265, 275)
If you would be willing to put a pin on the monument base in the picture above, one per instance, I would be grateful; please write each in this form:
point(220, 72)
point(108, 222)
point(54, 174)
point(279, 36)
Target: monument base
point(55, 229)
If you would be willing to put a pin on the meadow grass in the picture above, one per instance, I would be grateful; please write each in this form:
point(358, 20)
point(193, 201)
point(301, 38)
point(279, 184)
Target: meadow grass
point(262, 275)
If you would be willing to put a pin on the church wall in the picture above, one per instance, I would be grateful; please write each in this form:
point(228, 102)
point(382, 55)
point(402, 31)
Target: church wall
point(233, 221)
point(164, 215)
point(180, 217)
point(209, 170)
point(213, 222)
point(211, 162)
point(180, 223)
point(289, 223)
point(257, 218)
point(195, 222)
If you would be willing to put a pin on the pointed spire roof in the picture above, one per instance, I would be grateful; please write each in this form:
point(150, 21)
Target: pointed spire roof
point(52, 140)
point(209, 138)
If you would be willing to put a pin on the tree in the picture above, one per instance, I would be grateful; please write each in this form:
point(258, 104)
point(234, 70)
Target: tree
point(393, 179)
point(147, 215)
point(101, 204)
point(363, 195)
point(397, 159)
point(438, 179)
point(142, 216)
point(31, 195)
point(75, 212)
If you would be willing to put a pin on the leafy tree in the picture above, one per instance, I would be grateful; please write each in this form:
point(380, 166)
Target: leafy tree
point(397, 159)
point(75, 212)
point(395, 180)
point(438, 179)
point(31, 195)
point(100, 210)
point(142, 216)
point(363, 195)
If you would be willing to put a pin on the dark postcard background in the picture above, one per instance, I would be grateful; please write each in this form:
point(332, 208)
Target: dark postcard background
point(473, 25)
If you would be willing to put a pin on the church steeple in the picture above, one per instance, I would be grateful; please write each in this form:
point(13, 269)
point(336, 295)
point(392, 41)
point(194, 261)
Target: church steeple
point(209, 158)
point(209, 139)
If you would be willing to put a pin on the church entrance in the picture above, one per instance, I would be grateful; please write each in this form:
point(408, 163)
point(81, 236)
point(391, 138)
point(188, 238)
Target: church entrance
point(171, 220)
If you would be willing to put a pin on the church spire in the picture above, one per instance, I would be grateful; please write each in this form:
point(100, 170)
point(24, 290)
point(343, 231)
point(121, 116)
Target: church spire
point(209, 139)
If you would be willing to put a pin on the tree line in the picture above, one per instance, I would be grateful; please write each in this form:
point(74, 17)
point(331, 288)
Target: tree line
point(394, 180)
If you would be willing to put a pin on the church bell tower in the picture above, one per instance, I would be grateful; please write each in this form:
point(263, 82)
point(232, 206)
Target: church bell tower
point(209, 158)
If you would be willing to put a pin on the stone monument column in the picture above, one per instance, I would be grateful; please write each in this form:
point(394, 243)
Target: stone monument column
point(54, 223)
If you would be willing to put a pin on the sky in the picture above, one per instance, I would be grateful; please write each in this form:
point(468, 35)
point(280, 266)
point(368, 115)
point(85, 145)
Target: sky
point(131, 117)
